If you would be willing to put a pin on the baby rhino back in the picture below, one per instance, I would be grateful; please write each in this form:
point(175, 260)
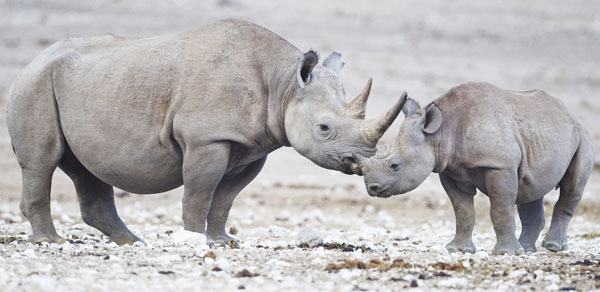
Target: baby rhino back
point(529, 131)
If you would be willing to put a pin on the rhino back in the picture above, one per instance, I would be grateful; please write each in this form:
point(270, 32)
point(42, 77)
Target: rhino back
point(529, 131)
point(124, 103)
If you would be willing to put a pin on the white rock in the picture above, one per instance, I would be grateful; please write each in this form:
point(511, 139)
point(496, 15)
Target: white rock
point(553, 278)
point(276, 262)
point(317, 261)
point(552, 287)
point(3, 278)
point(209, 261)
point(452, 283)
point(29, 253)
point(184, 237)
point(309, 237)
point(538, 274)
point(275, 275)
point(517, 274)
point(481, 255)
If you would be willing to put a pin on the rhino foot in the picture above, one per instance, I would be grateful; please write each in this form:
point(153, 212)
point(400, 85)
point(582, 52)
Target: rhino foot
point(511, 248)
point(122, 239)
point(465, 247)
point(36, 239)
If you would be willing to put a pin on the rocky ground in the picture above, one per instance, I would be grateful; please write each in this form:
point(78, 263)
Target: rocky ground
point(424, 47)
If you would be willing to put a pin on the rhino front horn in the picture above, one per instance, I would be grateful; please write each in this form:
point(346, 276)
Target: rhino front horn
point(356, 108)
point(375, 128)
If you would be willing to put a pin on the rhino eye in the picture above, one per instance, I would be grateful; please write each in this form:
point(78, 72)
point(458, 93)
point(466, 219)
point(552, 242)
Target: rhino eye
point(324, 128)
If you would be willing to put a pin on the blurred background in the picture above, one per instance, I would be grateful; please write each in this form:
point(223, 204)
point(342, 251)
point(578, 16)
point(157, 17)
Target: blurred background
point(423, 47)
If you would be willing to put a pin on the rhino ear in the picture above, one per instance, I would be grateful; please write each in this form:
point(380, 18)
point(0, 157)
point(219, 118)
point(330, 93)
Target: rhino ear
point(410, 107)
point(334, 63)
point(305, 67)
point(431, 120)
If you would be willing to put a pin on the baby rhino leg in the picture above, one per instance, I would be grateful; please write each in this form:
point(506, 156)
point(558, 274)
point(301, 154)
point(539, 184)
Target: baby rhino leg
point(502, 188)
point(571, 190)
point(532, 222)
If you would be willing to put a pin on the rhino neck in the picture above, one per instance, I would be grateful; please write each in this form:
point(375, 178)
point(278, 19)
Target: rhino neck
point(442, 144)
point(281, 85)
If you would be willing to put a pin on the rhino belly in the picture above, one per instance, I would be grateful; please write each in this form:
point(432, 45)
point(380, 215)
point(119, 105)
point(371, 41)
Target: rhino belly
point(136, 162)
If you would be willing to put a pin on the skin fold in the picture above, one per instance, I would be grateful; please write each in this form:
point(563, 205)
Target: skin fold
point(201, 108)
point(515, 147)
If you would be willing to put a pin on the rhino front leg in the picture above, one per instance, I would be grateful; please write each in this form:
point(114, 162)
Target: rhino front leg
point(464, 211)
point(502, 186)
point(532, 222)
point(225, 193)
point(203, 170)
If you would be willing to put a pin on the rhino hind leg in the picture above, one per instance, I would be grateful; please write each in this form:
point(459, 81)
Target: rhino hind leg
point(571, 191)
point(35, 206)
point(96, 201)
point(226, 192)
point(36, 137)
point(532, 222)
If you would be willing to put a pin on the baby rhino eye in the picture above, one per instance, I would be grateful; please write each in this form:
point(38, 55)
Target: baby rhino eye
point(395, 165)
point(323, 127)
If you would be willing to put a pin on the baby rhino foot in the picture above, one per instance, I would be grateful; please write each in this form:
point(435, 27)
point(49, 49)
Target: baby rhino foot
point(510, 248)
point(226, 240)
point(555, 244)
point(456, 246)
point(528, 246)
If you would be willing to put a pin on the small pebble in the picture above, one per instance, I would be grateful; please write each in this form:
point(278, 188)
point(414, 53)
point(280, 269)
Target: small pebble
point(308, 237)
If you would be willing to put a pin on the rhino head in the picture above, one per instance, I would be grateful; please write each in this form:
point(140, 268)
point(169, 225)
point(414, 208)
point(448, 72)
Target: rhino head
point(402, 166)
point(321, 126)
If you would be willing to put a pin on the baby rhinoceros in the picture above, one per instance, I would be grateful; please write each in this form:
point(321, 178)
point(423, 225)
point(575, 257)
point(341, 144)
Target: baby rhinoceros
point(514, 146)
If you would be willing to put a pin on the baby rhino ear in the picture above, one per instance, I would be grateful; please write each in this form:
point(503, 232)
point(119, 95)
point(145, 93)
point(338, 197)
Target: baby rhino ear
point(431, 120)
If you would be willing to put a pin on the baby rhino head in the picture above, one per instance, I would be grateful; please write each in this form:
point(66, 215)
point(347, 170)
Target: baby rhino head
point(404, 165)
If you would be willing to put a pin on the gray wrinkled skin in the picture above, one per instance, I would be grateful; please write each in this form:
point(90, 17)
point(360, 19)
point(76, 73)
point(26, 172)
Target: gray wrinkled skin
point(201, 108)
point(515, 147)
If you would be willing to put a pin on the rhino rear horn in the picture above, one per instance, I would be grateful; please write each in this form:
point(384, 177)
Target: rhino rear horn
point(305, 67)
point(357, 107)
point(375, 128)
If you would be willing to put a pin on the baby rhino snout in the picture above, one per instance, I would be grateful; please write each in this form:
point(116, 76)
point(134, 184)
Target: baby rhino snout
point(376, 190)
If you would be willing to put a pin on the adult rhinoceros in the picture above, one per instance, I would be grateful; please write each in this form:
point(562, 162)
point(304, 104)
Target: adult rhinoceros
point(201, 108)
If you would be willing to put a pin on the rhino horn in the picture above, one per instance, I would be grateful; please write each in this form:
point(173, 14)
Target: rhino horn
point(356, 108)
point(375, 128)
